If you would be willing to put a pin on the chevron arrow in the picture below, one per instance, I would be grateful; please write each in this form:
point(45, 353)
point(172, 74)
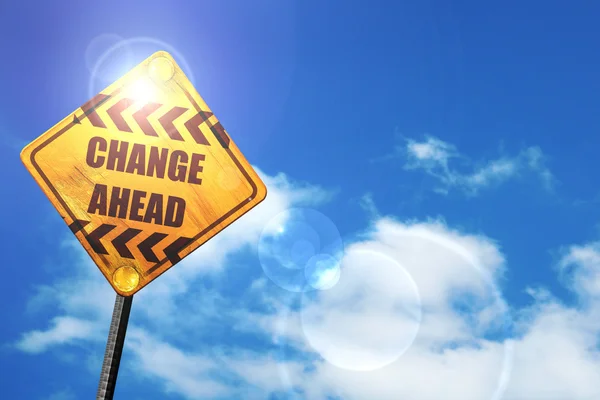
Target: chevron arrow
point(167, 122)
point(94, 237)
point(115, 111)
point(141, 117)
point(146, 246)
point(89, 109)
point(120, 242)
point(193, 126)
point(172, 250)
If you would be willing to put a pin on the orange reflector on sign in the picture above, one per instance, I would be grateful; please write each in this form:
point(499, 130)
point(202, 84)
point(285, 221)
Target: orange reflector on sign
point(143, 174)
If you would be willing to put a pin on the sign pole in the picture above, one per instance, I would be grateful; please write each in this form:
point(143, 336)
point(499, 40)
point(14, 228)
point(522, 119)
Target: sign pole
point(114, 347)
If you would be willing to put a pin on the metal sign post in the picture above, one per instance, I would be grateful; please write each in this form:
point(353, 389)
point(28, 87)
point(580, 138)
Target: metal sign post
point(114, 348)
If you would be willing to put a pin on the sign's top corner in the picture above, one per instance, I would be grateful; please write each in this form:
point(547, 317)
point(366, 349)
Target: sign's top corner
point(161, 54)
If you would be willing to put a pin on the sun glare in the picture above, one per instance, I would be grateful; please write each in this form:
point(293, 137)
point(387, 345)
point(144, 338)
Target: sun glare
point(142, 90)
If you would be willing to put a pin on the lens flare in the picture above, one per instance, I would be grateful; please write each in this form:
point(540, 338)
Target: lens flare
point(322, 271)
point(298, 247)
point(143, 90)
point(111, 56)
point(369, 318)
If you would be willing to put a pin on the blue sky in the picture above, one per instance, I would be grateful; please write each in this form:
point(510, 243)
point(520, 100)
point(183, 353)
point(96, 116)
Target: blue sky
point(450, 146)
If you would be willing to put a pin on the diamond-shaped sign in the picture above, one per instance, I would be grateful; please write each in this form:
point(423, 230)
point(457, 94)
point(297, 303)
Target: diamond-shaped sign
point(143, 174)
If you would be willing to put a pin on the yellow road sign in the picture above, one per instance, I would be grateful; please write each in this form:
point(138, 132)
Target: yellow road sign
point(143, 174)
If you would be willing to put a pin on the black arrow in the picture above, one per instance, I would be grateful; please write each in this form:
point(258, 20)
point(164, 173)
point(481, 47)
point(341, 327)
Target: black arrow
point(193, 126)
point(167, 122)
point(94, 237)
point(115, 112)
point(172, 250)
point(141, 117)
point(148, 243)
point(120, 242)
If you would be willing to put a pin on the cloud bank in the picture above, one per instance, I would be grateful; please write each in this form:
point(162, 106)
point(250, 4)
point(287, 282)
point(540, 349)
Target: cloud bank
point(416, 313)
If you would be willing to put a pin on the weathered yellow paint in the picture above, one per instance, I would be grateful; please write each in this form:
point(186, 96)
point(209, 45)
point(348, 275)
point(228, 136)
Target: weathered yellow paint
point(57, 161)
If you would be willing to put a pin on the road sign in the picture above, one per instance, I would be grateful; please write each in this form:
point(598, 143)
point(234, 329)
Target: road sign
point(143, 174)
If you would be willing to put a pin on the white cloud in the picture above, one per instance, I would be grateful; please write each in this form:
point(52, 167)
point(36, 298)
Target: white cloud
point(63, 330)
point(553, 357)
point(581, 268)
point(204, 343)
point(210, 374)
point(557, 357)
point(434, 156)
point(179, 371)
point(368, 321)
point(432, 151)
point(368, 204)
